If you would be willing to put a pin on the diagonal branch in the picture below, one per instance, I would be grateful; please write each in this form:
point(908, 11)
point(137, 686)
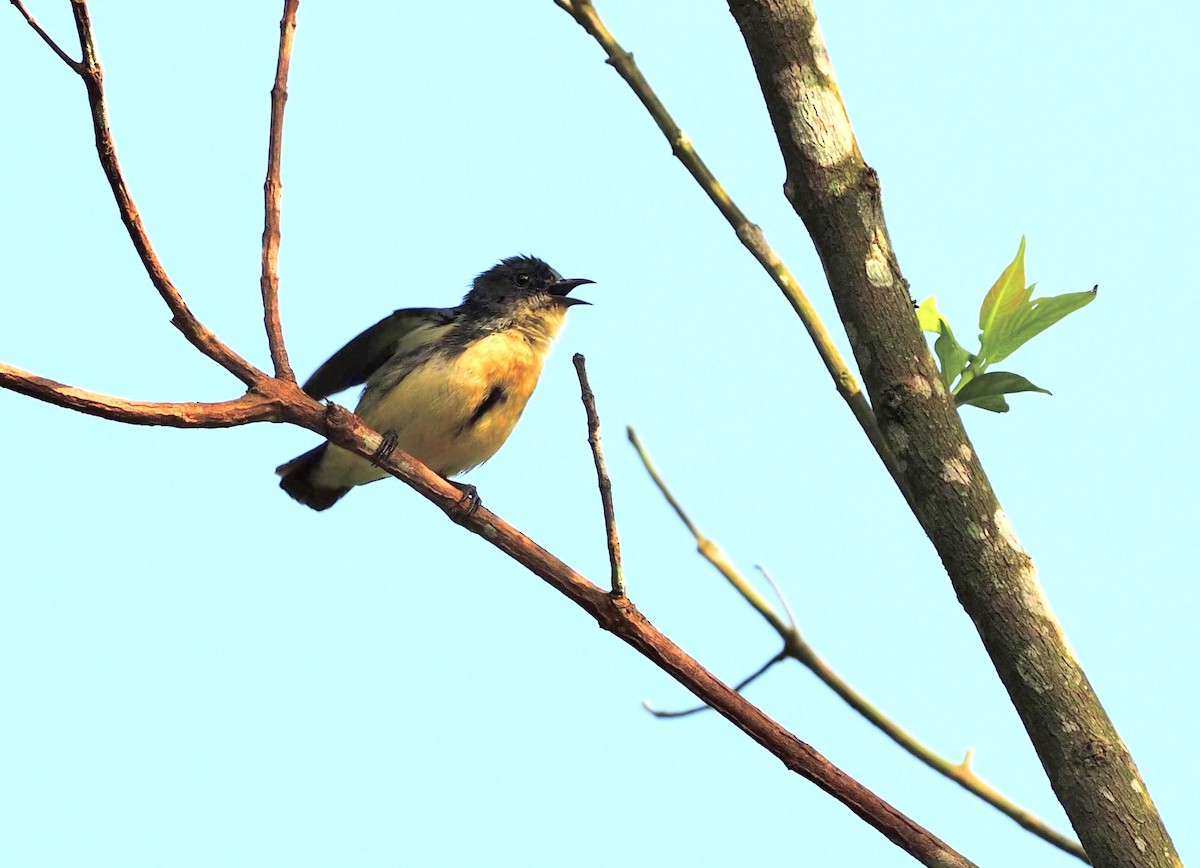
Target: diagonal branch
point(48, 39)
point(272, 190)
point(750, 234)
point(619, 616)
point(837, 196)
point(739, 687)
point(182, 318)
point(796, 647)
point(251, 407)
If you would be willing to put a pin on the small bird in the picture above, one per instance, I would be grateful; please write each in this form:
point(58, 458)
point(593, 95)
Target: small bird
point(445, 385)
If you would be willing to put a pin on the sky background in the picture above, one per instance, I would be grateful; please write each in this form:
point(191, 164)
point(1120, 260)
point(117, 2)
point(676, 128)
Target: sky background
point(197, 671)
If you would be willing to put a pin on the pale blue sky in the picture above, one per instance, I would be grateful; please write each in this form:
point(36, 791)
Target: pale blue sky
point(196, 671)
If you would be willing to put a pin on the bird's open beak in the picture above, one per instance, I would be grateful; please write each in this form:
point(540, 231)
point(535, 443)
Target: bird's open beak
point(562, 287)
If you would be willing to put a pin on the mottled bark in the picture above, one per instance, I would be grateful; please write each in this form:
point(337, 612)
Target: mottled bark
point(838, 197)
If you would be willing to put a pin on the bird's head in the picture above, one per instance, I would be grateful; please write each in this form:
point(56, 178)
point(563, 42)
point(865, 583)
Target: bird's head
point(522, 284)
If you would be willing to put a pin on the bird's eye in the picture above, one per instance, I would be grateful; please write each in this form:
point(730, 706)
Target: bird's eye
point(521, 280)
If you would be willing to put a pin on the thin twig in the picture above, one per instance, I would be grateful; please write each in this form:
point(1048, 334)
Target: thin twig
point(183, 319)
point(707, 548)
point(610, 519)
point(251, 407)
point(272, 191)
point(796, 647)
point(783, 600)
point(739, 687)
point(46, 38)
point(750, 234)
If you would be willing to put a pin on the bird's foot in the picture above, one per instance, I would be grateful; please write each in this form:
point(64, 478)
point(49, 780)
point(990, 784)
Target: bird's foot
point(469, 502)
point(387, 445)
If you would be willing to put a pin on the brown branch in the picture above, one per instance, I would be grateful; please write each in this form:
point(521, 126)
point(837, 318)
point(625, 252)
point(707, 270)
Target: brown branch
point(288, 403)
point(739, 687)
point(796, 647)
point(619, 616)
point(838, 198)
point(251, 407)
point(279, 400)
point(272, 190)
point(610, 519)
point(46, 38)
point(183, 319)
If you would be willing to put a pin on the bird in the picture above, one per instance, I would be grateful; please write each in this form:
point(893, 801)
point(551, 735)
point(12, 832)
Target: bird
point(445, 385)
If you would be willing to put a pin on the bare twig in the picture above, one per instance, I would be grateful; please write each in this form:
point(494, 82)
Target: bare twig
point(796, 647)
point(46, 38)
point(750, 234)
point(251, 407)
point(610, 519)
point(739, 687)
point(272, 190)
point(183, 319)
point(709, 549)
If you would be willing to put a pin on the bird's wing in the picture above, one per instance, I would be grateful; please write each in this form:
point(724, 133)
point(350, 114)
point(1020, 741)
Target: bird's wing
point(401, 332)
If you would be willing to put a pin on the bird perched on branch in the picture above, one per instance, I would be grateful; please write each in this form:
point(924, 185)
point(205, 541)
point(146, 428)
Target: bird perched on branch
point(445, 385)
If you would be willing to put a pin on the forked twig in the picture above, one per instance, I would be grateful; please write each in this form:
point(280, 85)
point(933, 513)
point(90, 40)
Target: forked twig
point(796, 647)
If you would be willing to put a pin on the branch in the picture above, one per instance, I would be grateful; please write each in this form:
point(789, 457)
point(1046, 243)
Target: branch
point(750, 234)
point(739, 687)
point(795, 646)
point(183, 319)
point(613, 613)
point(838, 197)
point(610, 519)
point(619, 616)
point(46, 38)
point(272, 190)
point(251, 407)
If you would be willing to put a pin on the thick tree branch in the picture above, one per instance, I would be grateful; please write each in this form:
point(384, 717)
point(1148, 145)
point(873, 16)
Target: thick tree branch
point(837, 196)
point(619, 616)
point(272, 191)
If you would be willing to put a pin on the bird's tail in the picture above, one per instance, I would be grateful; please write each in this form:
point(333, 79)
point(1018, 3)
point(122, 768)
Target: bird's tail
point(296, 480)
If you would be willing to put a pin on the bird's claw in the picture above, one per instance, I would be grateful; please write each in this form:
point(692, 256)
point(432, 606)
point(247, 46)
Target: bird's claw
point(469, 502)
point(387, 445)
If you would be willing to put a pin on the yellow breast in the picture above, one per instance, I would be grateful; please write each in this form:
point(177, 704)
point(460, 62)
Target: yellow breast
point(453, 412)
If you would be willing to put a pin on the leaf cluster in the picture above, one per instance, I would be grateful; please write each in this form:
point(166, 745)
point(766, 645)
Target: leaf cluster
point(1008, 318)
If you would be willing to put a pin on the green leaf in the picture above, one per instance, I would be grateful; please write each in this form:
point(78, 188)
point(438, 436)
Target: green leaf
point(995, 403)
point(987, 390)
point(1007, 318)
point(1002, 301)
point(952, 358)
point(1034, 317)
point(929, 318)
